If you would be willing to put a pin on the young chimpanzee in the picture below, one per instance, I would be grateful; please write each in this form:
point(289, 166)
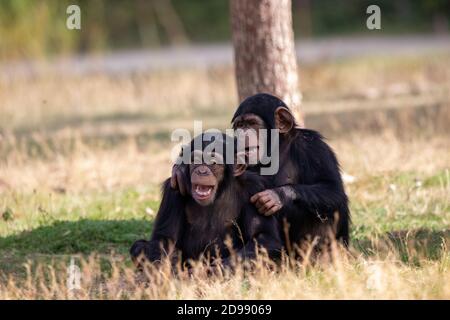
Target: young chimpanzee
point(307, 190)
point(217, 207)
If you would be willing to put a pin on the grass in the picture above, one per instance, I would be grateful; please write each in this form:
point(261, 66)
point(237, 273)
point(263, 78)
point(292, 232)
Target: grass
point(81, 160)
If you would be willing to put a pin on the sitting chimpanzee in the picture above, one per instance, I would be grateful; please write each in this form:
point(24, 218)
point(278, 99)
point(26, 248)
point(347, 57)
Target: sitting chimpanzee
point(217, 207)
point(307, 191)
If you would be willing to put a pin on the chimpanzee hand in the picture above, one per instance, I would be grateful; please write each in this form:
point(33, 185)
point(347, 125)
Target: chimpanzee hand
point(177, 179)
point(267, 202)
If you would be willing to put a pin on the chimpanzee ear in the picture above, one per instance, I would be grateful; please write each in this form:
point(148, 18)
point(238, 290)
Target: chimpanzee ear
point(239, 169)
point(284, 120)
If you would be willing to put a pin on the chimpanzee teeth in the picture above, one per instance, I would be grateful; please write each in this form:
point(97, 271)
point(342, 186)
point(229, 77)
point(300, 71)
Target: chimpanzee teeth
point(203, 193)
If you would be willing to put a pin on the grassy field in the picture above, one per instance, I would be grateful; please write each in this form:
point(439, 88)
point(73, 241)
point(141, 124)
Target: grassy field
point(82, 157)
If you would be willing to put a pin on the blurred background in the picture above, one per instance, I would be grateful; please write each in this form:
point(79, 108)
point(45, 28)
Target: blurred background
point(138, 69)
point(146, 59)
point(86, 115)
point(34, 28)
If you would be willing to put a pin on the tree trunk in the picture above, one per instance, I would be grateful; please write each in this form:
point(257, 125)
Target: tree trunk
point(264, 50)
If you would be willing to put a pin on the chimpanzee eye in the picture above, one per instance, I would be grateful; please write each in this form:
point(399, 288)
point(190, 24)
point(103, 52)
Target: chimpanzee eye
point(197, 157)
point(213, 158)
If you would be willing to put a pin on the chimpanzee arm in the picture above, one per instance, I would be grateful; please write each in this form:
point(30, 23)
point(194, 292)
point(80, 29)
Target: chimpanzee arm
point(323, 190)
point(167, 227)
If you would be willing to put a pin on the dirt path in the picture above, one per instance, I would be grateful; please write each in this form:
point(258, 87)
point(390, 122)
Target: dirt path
point(308, 51)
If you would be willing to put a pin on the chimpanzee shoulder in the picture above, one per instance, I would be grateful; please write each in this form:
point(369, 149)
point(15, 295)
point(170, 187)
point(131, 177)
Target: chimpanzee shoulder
point(314, 157)
point(309, 138)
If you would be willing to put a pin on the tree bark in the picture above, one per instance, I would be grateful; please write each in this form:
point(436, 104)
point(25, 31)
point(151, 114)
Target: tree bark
point(264, 50)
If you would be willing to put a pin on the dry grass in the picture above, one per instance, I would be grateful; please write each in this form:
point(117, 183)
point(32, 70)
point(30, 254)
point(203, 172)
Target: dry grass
point(49, 100)
point(90, 151)
point(346, 278)
point(86, 167)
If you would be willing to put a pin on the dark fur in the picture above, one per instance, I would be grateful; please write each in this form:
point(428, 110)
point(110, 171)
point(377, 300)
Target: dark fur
point(198, 231)
point(309, 182)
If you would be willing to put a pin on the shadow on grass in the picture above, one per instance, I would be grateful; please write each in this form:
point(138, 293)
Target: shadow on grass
point(411, 246)
point(58, 242)
point(78, 237)
point(106, 236)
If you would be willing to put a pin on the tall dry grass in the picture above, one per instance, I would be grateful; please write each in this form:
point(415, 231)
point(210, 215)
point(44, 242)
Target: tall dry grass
point(346, 277)
point(50, 100)
point(66, 139)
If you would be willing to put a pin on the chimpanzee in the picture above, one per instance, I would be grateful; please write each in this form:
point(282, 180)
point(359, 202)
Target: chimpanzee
point(216, 207)
point(307, 191)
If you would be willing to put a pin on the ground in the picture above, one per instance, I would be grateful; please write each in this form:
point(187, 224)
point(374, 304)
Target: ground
point(82, 158)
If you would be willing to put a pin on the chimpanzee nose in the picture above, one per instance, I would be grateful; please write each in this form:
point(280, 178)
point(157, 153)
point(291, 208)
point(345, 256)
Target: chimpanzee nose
point(202, 171)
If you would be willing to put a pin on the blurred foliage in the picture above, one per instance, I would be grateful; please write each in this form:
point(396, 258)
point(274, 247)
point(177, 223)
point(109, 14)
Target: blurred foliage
point(324, 17)
point(30, 28)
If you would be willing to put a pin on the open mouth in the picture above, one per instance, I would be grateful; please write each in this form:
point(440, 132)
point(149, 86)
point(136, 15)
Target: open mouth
point(203, 192)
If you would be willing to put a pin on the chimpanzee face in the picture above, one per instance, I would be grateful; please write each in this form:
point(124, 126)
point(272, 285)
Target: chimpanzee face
point(247, 128)
point(250, 125)
point(206, 177)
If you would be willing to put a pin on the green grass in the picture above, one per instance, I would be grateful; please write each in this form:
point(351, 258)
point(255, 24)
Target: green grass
point(45, 227)
point(42, 227)
point(29, 211)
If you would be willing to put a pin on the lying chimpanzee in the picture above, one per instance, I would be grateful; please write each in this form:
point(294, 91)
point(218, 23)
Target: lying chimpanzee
point(307, 191)
point(216, 207)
